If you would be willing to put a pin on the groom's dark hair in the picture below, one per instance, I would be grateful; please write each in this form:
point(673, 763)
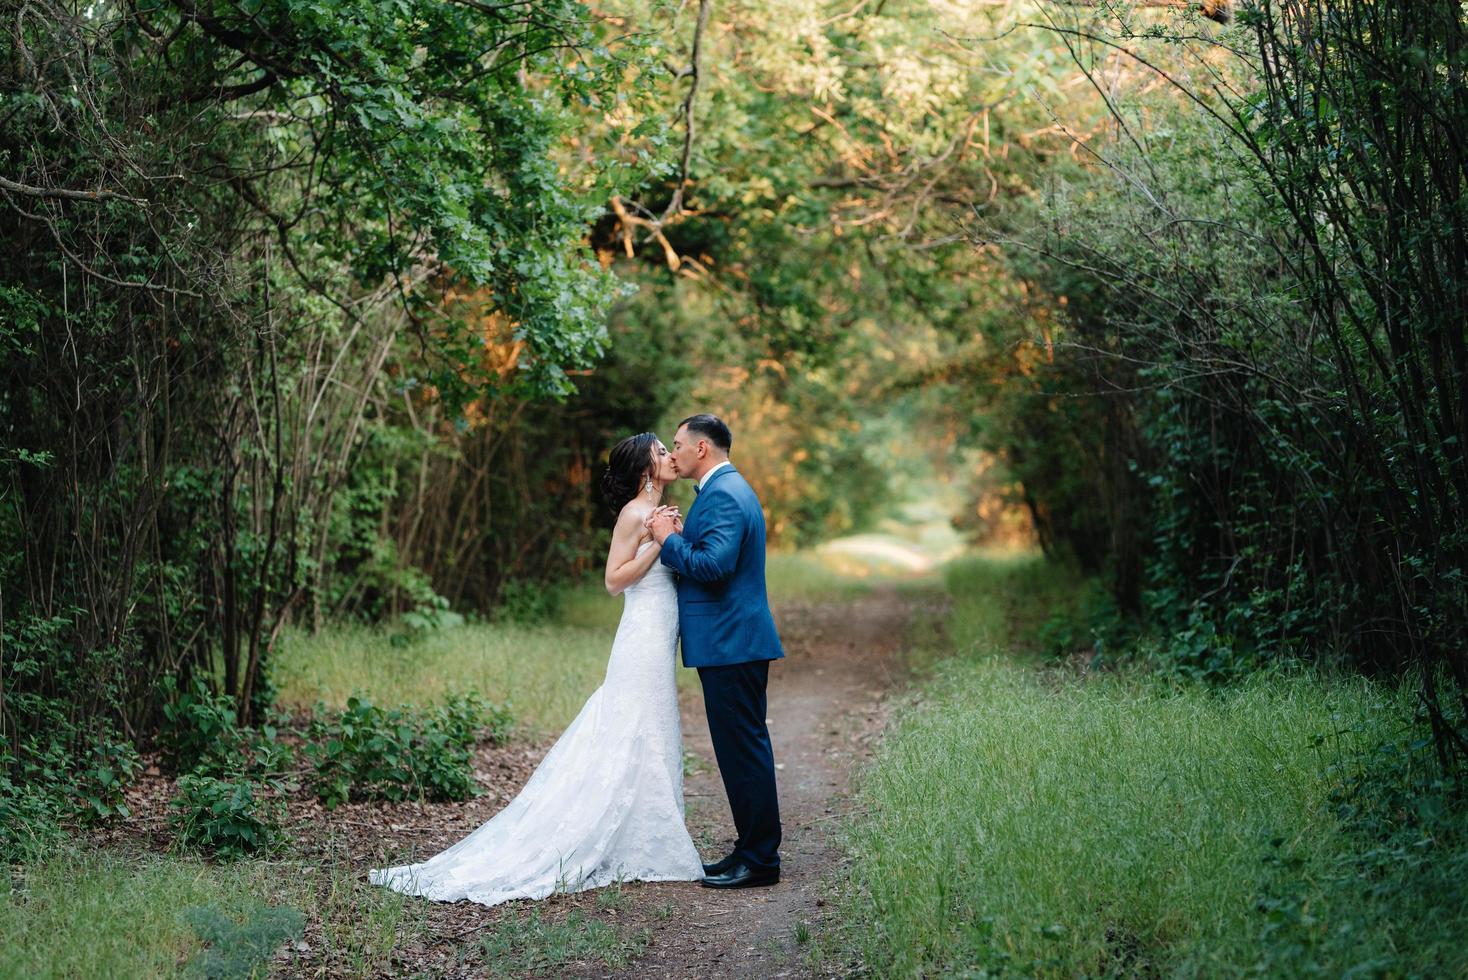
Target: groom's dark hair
point(710, 426)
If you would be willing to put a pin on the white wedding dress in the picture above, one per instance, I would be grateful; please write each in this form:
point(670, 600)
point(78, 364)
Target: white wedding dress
point(606, 803)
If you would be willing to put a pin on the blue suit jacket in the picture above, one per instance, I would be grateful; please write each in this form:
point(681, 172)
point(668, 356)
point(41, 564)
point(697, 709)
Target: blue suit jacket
point(723, 609)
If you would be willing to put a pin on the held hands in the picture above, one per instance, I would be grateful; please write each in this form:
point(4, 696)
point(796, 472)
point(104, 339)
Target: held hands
point(662, 522)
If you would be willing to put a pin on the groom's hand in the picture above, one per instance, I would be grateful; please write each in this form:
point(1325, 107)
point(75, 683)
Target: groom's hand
point(663, 522)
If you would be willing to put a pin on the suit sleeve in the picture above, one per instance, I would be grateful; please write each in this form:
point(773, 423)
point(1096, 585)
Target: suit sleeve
point(715, 555)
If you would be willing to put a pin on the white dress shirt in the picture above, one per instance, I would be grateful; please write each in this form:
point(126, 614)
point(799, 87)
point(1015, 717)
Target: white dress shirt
point(705, 478)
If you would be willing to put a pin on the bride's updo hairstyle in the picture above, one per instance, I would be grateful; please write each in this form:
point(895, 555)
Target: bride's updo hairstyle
point(628, 464)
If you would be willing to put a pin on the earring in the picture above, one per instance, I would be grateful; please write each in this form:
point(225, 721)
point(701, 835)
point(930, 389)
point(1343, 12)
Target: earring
point(648, 485)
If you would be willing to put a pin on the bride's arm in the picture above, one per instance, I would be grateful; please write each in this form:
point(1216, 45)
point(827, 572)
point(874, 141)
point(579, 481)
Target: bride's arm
point(624, 565)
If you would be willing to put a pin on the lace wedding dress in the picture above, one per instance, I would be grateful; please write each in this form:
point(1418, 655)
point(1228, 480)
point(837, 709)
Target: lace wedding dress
point(606, 803)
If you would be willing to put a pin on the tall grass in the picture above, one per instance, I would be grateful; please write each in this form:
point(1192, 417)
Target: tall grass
point(804, 576)
point(1033, 821)
point(544, 671)
point(84, 912)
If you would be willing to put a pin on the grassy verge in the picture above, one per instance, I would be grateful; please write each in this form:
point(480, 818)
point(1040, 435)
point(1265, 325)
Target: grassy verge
point(802, 576)
point(84, 912)
point(81, 911)
point(545, 672)
point(1031, 821)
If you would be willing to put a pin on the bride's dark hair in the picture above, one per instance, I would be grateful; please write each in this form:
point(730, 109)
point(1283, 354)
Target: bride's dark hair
point(628, 464)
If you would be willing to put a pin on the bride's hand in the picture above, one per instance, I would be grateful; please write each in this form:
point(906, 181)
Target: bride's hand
point(663, 522)
point(668, 509)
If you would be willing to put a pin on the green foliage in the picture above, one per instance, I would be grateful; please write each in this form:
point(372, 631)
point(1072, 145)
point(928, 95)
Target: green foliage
point(102, 775)
point(533, 944)
point(370, 752)
point(32, 815)
point(1233, 418)
point(231, 818)
point(237, 950)
point(199, 729)
point(186, 374)
point(48, 787)
point(529, 603)
point(201, 735)
point(229, 794)
point(1058, 823)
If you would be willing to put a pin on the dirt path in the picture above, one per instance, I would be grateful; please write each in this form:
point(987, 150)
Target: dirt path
point(825, 710)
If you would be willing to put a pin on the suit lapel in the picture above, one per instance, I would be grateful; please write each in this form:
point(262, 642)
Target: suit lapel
point(690, 526)
point(718, 475)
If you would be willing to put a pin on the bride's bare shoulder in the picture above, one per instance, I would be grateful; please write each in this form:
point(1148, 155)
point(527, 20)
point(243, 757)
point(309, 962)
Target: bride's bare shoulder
point(635, 511)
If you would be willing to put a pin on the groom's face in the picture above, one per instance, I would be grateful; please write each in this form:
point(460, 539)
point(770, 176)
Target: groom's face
point(689, 452)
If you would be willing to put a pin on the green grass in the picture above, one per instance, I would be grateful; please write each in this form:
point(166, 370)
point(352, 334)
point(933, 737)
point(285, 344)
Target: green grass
point(803, 576)
point(545, 672)
point(85, 912)
point(1034, 821)
point(530, 944)
point(100, 914)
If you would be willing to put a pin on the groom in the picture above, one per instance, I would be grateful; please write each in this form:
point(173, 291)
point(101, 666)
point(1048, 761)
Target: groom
point(729, 635)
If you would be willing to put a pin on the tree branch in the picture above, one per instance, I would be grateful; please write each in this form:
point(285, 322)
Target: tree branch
point(676, 204)
point(1215, 10)
point(67, 194)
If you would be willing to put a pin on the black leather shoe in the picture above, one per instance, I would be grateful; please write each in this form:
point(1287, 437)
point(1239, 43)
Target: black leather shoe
point(719, 867)
point(742, 876)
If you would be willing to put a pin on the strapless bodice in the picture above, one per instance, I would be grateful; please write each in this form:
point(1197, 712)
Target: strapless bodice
point(656, 580)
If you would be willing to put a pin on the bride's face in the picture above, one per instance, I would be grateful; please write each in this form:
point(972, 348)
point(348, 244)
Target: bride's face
point(664, 470)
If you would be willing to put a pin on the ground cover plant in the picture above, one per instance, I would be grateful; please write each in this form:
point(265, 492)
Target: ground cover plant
point(234, 864)
point(84, 911)
point(542, 671)
point(1029, 816)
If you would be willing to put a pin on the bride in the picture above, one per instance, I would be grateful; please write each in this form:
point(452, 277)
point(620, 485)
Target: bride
point(606, 803)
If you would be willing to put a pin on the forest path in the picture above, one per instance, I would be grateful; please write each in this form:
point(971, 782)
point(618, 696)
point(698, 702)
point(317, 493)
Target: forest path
point(827, 703)
point(826, 708)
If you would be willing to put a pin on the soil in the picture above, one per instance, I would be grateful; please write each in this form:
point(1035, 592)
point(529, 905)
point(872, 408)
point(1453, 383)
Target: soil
point(827, 703)
point(827, 706)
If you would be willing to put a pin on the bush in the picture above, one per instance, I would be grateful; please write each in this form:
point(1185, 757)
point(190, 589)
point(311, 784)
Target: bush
point(101, 776)
point(199, 728)
point(529, 603)
point(200, 734)
point(31, 818)
point(44, 787)
point(399, 753)
point(226, 817)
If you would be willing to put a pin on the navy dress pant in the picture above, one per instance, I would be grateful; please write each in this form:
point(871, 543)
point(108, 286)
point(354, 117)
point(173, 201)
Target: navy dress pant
point(734, 697)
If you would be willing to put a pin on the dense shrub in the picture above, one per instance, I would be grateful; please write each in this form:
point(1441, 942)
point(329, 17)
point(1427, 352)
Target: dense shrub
point(48, 786)
point(1250, 412)
point(230, 818)
point(367, 751)
point(190, 368)
point(200, 734)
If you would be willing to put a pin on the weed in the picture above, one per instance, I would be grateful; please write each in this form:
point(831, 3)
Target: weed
point(533, 944)
point(237, 950)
